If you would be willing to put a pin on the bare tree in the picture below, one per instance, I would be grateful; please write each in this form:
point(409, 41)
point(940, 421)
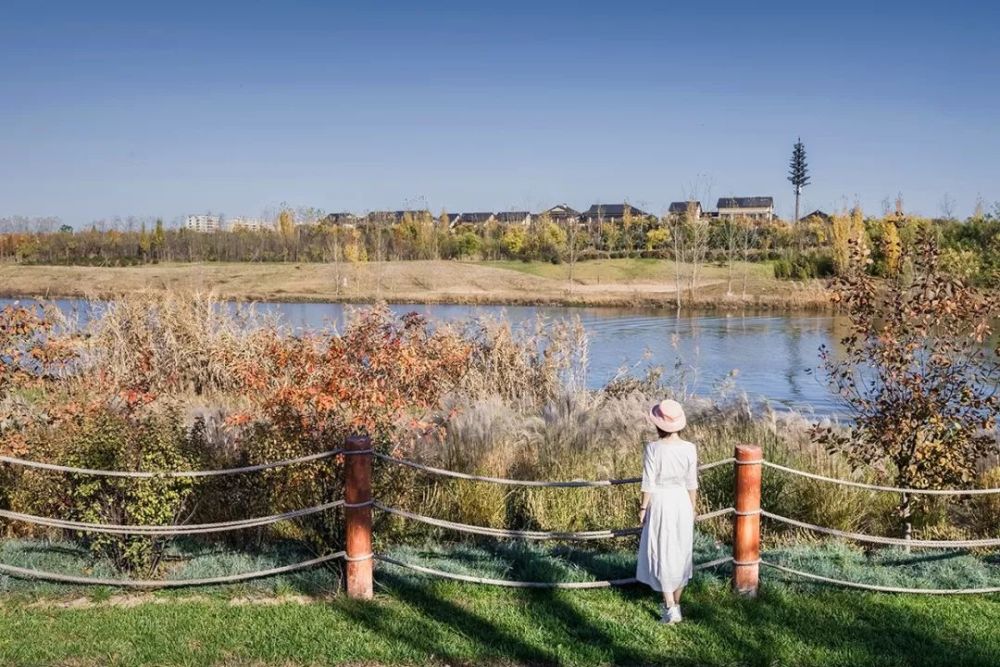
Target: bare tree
point(947, 207)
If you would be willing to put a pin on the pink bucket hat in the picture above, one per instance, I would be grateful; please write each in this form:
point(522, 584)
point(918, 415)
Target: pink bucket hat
point(667, 416)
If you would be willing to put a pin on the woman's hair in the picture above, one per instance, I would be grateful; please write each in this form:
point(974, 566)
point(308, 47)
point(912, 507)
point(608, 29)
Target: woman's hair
point(663, 434)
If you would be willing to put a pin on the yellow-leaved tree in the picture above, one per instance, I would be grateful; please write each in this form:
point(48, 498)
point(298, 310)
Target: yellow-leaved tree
point(841, 239)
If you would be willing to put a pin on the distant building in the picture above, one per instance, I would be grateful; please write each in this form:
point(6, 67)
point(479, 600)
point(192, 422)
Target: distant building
point(561, 213)
point(819, 215)
point(751, 208)
point(394, 217)
point(241, 223)
point(453, 219)
point(611, 213)
point(514, 217)
point(692, 207)
point(476, 218)
point(203, 223)
point(342, 219)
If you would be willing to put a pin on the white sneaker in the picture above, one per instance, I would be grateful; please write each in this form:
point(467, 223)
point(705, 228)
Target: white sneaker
point(670, 615)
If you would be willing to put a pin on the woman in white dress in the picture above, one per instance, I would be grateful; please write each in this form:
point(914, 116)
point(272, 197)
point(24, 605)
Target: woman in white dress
point(669, 488)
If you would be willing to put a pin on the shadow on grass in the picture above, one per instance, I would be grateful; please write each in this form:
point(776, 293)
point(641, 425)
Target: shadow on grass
point(796, 625)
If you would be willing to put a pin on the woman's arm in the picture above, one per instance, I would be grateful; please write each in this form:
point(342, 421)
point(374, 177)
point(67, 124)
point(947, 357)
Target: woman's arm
point(643, 504)
point(648, 475)
point(692, 480)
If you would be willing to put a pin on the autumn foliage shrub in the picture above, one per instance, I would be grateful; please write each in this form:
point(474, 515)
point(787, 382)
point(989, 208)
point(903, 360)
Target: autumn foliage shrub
point(918, 373)
point(108, 439)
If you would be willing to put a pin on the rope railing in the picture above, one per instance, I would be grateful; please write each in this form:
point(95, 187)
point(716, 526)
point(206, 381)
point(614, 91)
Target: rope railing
point(878, 487)
point(530, 534)
point(444, 472)
point(167, 530)
point(57, 577)
point(878, 539)
point(171, 473)
point(508, 583)
point(880, 587)
point(358, 555)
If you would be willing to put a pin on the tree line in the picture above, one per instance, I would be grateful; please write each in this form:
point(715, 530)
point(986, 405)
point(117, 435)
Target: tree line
point(815, 247)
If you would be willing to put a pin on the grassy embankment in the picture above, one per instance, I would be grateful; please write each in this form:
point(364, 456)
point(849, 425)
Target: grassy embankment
point(619, 282)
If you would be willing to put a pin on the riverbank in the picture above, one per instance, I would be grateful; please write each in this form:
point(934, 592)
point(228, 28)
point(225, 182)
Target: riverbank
point(617, 282)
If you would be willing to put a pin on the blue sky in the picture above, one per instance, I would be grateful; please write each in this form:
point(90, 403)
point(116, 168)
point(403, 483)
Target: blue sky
point(166, 108)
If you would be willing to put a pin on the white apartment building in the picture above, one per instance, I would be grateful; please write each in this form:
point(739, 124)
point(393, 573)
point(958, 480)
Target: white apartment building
point(247, 224)
point(203, 223)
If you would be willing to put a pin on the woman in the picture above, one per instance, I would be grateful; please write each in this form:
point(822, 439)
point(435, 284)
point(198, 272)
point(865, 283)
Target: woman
point(669, 488)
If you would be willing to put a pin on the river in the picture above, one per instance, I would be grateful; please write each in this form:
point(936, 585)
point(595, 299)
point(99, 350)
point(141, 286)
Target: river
point(770, 357)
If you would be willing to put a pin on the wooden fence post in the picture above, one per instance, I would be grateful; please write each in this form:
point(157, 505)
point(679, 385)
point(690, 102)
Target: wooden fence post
point(358, 516)
point(746, 527)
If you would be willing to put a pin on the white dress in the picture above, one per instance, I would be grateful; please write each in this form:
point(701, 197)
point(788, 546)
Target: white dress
point(669, 471)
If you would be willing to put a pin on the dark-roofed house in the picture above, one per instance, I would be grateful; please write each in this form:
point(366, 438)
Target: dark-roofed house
point(822, 216)
point(751, 208)
point(684, 207)
point(453, 219)
point(342, 219)
point(381, 217)
point(613, 213)
point(394, 217)
point(561, 213)
point(476, 218)
point(514, 217)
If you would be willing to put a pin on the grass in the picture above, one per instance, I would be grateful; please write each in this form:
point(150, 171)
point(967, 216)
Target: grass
point(415, 620)
point(615, 282)
point(632, 270)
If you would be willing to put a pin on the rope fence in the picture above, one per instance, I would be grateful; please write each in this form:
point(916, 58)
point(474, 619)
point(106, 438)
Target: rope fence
point(173, 530)
point(169, 474)
point(891, 541)
point(42, 575)
point(507, 583)
point(879, 587)
point(576, 483)
point(877, 487)
point(359, 503)
point(531, 534)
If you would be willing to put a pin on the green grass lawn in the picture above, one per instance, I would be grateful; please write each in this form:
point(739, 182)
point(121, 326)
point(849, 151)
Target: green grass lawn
point(416, 620)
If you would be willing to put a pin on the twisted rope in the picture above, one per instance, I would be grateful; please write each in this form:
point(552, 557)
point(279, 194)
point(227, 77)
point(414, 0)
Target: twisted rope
point(604, 583)
point(172, 474)
point(192, 529)
point(41, 575)
point(527, 482)
point(530, 534)
point(895, 541)
point(877, 487)
point(881, 588)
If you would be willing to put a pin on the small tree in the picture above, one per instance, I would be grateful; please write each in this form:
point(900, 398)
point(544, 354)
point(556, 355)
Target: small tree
point(916, 373)
point(159, 238)
point(892, 247)
point(798, 172)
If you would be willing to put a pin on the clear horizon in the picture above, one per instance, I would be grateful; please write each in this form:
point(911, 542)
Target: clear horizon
point(122, 109)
